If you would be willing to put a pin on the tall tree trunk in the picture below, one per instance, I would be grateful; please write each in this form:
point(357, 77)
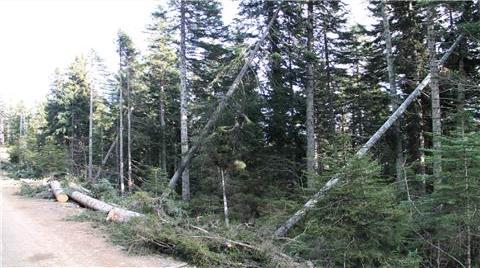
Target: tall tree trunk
point(419, 151)
point(310, 123)
point(225, 201)
point(163, 144)
point(72, 144)
point(435, 96)
point(90, 138)
point(395, 101)
point(297, 216)
point(129, 133)
point(183, 104)
point(461, 92)
point(2, 131)
point(328, 86)
point(221, 106)
point(120, 138)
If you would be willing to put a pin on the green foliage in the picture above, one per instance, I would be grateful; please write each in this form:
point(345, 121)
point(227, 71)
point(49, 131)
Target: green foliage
point(156, 182)
point(449, 212)
point(35, 191)
point(105, 191)
point(359, 223)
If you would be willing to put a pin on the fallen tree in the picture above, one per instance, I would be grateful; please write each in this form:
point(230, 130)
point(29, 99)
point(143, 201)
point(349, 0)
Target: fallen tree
point(115, 214)
point(57, 191)
point(285, 227)
point(90, 202)
point(122, 215)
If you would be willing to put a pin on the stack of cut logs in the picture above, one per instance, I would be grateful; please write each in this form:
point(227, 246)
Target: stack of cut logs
point(115, 214)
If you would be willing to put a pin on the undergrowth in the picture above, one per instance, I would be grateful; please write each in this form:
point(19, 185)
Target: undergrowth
point(35, 191)
point(168, 229)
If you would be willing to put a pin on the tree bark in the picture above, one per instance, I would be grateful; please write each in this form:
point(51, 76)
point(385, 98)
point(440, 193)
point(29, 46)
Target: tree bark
point(183, 104)
point(129, 133)
point(2, 130)
point(163, 146)
point(90, 138)
point(221, 106)
point(57, 191)
point(310, 113)
point(297, 216)
point(90, 202)
point(435, 96)
point(225, 202)
point(395, 101)
point(120, 136)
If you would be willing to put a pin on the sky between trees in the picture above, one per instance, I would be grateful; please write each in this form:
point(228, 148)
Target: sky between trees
point(47, 34)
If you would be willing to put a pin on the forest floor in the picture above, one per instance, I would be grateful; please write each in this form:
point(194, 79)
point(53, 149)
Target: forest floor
point(34, 232)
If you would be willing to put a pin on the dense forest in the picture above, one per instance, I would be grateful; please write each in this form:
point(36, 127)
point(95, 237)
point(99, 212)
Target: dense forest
point(321, 142)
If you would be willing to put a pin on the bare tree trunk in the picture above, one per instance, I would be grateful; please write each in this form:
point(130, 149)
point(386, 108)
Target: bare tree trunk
point(461, 89)
point(225, 202)
point(310, 123)
point(120, 139)
point(163, 146)
point(2, 130)
point(72, 142)
point(222, 105)
point(90, 138)
point(129, 134)
point(328, 90)
point(183, 105)
point(395, 100)
point(435, 96)
point(297, 216)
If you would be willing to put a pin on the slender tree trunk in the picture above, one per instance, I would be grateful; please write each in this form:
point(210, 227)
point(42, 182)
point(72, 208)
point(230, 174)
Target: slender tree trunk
point(221, 106)
point(297, 216)
point(120, 139)
point(163, 144)
point(310, 123)
point(225, 202)
point(439, 254)
point(460, 112)
point(420, 135)
point(461, 92)
point(435, 96)
point(72, 144)
point(90, 138)
point(2, 129)
point(183, 104)
point(129, 133)
point(395, 100)
point(328, 85)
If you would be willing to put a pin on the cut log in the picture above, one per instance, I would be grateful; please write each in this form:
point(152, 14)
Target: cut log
point(57, 191)
point(90, 202)
point(122, 215)
point(114, 214)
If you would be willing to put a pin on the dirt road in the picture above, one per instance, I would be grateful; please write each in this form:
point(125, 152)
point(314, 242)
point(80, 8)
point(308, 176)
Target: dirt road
point(34, 233)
